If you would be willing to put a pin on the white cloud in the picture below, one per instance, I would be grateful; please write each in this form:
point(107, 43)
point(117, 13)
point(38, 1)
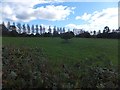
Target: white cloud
point(98, 20)
point(71, 26)
point(78, 17)
point(53, 13)
point(84, 17)
point(24, 11)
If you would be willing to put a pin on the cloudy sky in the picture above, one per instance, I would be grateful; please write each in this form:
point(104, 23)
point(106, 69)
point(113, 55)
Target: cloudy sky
point(80, 14)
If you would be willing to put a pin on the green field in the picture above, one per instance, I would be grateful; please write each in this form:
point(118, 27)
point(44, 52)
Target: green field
point(76, 50)
point(38, 62)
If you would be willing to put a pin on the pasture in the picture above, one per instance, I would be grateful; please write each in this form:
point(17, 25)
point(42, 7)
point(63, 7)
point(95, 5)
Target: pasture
point(53, 63)
point(77, 49)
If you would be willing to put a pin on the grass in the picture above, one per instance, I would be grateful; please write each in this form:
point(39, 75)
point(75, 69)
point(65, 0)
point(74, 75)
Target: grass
point(74, 51)
point(48, 62)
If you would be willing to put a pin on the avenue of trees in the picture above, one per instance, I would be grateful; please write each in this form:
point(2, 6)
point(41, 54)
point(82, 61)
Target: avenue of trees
point(18, 30)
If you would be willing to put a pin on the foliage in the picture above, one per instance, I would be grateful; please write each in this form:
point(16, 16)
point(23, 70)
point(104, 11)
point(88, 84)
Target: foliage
point(115, 34)
point(66, 36)
point(84, 35)
point(23, 69)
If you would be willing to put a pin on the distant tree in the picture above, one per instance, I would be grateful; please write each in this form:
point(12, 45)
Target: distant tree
point(49, 29)
point(19, 27)
point(104, 31)
point(99, 35)
point(3, 23)
point(8, 25)
point(54, 29)
point(60, 30)
point(47, 34)
point(32, 28)
point(91, 32)
point(64, 30)
point(107, 30)
point(41, 31)
point(14, 33)
point(37, 29)
point(55, 32)
point(28, 28)
point(24, 28)
point(118, 30)
point(84, 35)
point(99, 31)
point(4, 31)
point(94, 32)
point(66, 36)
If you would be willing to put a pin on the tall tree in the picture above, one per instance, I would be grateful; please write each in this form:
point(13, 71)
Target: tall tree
point(60, 30)
point(118, 30)
point(49, 29)
point(28, 28)
point(32, 28)
point(106, 28)
point(54, 29)
point(37, 29)
point(19, 27)
point(3, 23)
point(8, 25)
point(99, 31)
point(24, 28)
point(41, 31)
point(55, 32)
point(64, 30)
point(94, 32)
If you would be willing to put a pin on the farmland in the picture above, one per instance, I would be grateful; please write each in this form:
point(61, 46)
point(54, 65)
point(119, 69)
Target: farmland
point(91, 52)
point(77, 48)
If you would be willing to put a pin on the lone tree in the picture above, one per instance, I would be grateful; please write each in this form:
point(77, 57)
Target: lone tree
point(66, 36)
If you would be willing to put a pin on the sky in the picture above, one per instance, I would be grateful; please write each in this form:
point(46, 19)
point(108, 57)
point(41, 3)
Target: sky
point(88, 15)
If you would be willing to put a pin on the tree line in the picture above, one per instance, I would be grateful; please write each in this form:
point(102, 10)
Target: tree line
point(19, 30)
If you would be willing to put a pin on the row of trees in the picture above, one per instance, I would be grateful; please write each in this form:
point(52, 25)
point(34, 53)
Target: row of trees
point(107, 33)
point(22, 30)
point(34, 29)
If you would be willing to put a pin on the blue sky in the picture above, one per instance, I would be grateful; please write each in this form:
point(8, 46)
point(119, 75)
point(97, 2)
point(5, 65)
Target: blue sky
point(79, 15)
point(81, 8)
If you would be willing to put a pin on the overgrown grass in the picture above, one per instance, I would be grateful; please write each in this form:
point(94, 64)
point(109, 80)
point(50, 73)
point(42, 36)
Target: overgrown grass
point(25, 70)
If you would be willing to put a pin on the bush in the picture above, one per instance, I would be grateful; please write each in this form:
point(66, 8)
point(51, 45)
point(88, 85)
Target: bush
point(66, 36)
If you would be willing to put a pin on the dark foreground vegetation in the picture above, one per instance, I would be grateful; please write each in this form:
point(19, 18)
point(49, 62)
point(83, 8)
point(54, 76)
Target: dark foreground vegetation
point(23, 69)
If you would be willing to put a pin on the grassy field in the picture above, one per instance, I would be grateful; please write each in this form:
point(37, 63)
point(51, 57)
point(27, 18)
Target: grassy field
point(74, 51)
point(52, 63)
